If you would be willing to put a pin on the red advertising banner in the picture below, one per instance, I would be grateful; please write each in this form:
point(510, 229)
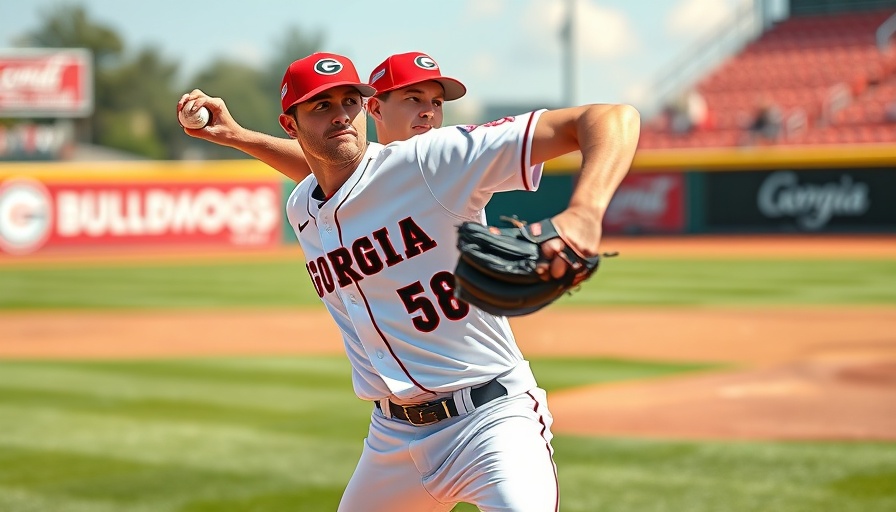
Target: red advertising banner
point(36, 215)
point(647, 203)
point(46, 83)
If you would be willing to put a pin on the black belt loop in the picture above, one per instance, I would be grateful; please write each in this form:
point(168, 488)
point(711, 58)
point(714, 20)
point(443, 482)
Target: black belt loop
point(432, 412)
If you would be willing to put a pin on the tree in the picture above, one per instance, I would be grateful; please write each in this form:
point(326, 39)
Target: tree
point(252, 94)
point(136, 113)
point(68, 26)
point(242, 88)
point(292, 47)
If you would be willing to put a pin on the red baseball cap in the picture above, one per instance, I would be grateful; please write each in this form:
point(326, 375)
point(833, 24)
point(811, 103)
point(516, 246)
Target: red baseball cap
point(316, 73)
point(406, 69)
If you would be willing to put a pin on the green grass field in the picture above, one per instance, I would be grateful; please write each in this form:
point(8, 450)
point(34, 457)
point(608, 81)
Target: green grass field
point(623, 282)
point(248, 434)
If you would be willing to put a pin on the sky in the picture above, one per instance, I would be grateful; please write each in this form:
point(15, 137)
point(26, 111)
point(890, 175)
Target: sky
point(504, 51)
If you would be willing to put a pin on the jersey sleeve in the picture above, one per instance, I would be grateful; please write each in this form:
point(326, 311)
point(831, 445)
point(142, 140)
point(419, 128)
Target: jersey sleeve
point(297, 204)
point(465, 165)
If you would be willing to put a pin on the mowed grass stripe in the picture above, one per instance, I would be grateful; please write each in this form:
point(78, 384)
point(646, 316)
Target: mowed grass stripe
point(286, 371)
point(557, 373)
point(120, 386)
point(193, 285)
point(16, 499)
point(332, 425)
point(739, 282)
point(620, 281)
point(224, 446)
point(62, 481)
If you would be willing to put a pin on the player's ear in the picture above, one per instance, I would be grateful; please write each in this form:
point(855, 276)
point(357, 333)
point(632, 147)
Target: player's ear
point(289, 125)
point(373, 108)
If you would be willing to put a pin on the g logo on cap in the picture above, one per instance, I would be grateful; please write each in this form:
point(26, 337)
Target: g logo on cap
point(327, 66)
point(425, 62)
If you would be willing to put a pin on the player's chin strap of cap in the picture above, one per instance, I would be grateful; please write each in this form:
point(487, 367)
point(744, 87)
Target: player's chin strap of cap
point(438, 410)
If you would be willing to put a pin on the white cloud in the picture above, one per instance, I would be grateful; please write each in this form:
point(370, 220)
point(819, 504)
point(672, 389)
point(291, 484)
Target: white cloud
point(604, 32)
point(600, 32)
point(691, 17)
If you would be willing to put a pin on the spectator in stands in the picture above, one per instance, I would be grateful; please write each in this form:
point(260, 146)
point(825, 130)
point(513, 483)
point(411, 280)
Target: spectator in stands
point(688, 112)
point(766, 125)
point(890, 112)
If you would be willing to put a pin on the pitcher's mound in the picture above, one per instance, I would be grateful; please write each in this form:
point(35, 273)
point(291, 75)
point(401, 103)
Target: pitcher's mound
point(832, 393)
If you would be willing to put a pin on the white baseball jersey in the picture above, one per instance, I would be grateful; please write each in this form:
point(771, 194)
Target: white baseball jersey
point(382, 249)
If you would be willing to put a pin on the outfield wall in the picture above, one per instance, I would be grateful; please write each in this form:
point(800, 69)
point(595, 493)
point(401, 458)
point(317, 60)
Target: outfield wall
point(57, 206)
point(849, 189)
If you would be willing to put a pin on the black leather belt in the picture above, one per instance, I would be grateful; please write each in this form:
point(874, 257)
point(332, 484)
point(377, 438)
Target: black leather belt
point(432, 412)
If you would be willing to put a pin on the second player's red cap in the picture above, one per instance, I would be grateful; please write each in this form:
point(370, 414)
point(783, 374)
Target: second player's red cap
point(406, 69)
point(316, 73)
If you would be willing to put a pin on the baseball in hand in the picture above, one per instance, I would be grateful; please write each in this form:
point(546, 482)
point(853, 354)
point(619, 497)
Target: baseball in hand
point(194, 121)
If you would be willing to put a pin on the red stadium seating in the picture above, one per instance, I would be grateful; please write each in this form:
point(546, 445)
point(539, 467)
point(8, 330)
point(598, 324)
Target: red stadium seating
point(825, 73)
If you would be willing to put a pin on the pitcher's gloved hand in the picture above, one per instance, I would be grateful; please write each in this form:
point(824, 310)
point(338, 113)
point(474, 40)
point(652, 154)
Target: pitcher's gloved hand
point(496, 271)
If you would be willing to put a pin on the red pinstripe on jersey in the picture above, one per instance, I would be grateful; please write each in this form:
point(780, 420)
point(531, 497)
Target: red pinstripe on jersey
point(525, 149)
point(547, 446)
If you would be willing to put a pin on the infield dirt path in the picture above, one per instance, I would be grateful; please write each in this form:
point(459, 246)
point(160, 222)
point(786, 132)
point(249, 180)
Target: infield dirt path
point(799, 373)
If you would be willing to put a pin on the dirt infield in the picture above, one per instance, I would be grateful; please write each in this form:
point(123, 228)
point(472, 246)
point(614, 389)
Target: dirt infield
point(797, 373)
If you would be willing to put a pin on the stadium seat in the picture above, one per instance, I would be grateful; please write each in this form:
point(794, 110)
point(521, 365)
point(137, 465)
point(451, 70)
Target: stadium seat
point(799, 64)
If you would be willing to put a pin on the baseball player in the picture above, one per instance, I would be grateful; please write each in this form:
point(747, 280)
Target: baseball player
point(457, 415)
point(411, 91)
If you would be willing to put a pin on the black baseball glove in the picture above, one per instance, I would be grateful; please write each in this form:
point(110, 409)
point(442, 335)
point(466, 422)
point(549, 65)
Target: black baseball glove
point(496, 269)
